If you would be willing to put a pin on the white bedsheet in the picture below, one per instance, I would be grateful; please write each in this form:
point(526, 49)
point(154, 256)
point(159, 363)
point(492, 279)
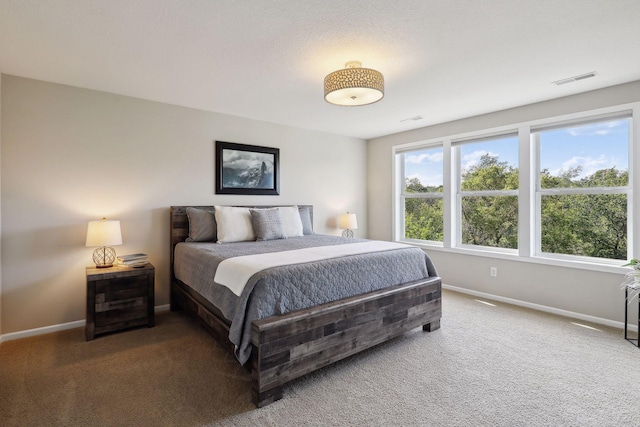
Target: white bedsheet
point(234, 273)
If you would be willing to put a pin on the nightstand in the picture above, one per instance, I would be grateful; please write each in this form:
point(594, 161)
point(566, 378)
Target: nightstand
point(119, 298)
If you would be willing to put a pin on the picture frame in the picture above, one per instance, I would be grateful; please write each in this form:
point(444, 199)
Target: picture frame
point(247, 169)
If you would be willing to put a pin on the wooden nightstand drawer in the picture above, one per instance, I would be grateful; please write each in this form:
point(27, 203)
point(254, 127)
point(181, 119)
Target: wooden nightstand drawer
point(121, 304)
point(121, 289)
point(119, 298)
point(135, 309)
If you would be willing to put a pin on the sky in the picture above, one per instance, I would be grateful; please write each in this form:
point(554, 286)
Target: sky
point(593, 146)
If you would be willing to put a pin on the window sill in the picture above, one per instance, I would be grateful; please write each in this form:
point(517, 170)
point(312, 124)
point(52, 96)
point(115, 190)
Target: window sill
point(487, 253)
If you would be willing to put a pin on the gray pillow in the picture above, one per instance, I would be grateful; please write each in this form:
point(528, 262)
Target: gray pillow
point(267, 224)
point(305, 217)
point(202, 225)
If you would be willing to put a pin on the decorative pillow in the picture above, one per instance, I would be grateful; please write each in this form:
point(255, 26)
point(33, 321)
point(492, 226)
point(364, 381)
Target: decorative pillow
point(202, 225)
point(305, 217)
point(233, 224)
point(291, 222)
point(267, 224)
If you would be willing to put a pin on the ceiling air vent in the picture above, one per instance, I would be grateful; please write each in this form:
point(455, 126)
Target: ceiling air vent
point(416, 118)
point(575, 78)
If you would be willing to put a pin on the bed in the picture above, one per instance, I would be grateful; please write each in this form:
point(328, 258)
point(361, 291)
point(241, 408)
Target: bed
point(285, 345)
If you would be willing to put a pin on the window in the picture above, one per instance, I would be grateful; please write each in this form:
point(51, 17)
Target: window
point(558, 189)
point(583, 188)
point(421, 194)
point(487, 202)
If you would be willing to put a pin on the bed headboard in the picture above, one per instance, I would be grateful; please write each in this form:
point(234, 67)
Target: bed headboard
point(180, 223)
point(179, 231)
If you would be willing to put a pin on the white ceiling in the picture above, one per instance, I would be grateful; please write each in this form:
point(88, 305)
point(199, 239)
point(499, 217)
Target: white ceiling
point(266, 60)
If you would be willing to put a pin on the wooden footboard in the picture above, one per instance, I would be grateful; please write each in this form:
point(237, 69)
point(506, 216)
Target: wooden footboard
point(288, 346)
point(292, 345)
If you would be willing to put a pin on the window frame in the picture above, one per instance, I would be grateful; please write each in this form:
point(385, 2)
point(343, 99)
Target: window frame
point(528, 206)
point(456, 146)
point(404, 195)
point(541, 192)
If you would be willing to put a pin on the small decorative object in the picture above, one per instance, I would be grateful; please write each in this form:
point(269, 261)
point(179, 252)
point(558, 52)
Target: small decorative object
point(354, 85)
point(104, 234)
point(632, 279)
point(631, 287)
point(247, 169)
point(348, 223)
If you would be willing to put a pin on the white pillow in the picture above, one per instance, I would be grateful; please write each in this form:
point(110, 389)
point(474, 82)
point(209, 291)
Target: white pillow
point(291, 222)
point(233, 224)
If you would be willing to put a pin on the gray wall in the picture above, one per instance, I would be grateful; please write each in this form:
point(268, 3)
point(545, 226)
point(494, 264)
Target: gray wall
point(586, 292)
point(71, 155)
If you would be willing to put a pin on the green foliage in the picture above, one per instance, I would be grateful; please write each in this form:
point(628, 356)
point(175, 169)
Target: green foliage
point(592, 225)
point(490, 174)
point(424, 216)
point(413, 185)
point(490, 221)
point(423, 219)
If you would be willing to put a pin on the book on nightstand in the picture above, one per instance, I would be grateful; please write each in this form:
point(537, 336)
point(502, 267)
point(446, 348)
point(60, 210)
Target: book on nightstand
point(132, 260)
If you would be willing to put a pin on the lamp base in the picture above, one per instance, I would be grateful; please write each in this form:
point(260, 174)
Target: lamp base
point(104, 257)
point(347, 233)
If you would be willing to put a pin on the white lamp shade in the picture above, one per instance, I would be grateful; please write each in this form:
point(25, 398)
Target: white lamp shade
point(103, 233)
point(348, 221)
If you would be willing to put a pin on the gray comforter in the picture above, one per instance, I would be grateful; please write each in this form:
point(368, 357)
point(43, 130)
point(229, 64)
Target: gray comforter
point(283, 289)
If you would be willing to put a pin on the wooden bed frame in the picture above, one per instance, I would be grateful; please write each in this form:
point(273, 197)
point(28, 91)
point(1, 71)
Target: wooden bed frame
point(291, 345)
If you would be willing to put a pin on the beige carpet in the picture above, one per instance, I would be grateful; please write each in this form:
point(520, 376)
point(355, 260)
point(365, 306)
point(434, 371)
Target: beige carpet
point(486, 366)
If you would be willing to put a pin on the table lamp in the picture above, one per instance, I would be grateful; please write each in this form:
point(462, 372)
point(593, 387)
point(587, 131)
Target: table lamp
point(348, 222)
point(104, 234)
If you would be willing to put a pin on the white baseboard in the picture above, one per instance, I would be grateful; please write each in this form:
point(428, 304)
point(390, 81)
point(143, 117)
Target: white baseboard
point(546, 309)
point(59, 327)
point(43, 330)
point(161, 308)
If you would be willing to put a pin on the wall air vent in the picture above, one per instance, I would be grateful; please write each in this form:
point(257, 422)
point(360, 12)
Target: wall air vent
point(575, 78)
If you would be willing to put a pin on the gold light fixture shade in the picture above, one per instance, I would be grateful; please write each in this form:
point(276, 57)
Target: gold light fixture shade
point(354, 85)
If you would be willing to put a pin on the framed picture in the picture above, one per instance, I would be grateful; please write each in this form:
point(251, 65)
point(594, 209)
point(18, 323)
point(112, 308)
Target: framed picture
point(247, 169)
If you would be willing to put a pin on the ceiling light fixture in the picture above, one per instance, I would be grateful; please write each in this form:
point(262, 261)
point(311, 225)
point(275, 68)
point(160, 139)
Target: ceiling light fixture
point(354, 85)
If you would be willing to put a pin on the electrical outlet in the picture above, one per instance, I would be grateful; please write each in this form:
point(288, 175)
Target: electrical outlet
point(493, 272)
